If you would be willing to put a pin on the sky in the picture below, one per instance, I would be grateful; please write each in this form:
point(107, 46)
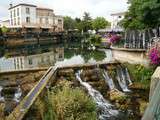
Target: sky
point(73, 8)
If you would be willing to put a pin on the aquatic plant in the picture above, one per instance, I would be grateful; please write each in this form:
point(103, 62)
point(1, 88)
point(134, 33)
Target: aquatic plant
point(154, 55)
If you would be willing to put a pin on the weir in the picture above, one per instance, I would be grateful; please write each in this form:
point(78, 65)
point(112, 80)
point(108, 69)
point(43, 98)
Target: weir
point(109, 80)
point(107, 110)
point(121, 80)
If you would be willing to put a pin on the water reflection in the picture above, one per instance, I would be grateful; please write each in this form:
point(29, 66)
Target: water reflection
point(58, 56)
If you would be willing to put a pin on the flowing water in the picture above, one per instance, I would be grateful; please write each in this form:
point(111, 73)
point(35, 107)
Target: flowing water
point(121, 80)
point(109, 80)
point(18, 94)
point(106, 109)
point(128, 76)
point(1, 98)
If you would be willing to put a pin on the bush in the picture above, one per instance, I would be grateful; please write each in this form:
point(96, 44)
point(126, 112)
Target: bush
point(115, 39)
point(141, 74)
point(95, 40)
point(70, 104)
point(154, 55)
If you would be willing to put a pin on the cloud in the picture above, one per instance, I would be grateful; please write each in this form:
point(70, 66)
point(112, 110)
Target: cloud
point(74, 8)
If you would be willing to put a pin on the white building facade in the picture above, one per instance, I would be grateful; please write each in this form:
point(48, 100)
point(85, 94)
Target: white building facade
point(30, 16)
point(116, 18)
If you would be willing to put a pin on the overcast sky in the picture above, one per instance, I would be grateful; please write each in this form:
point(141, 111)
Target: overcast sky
point(73, 8)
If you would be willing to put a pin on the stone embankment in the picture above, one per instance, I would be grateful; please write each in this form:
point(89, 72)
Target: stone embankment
point(132, 56)
point(153, 110)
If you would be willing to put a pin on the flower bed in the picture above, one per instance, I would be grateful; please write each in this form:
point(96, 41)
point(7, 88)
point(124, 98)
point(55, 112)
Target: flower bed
point(154, 55)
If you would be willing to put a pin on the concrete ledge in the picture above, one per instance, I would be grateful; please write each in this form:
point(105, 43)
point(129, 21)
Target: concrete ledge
point(24, 70)
point(128, 49)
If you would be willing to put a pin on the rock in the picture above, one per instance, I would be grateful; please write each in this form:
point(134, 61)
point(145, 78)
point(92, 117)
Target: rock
point(154, 82)
point(115, 95)
point(137, 86)
point(65, 72)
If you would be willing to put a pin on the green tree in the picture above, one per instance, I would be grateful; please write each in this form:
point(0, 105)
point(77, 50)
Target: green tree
point(86, 22)
point(78, 24)
point(99, 23)
point(4, 29)
point(142, 14)
point(69, 23)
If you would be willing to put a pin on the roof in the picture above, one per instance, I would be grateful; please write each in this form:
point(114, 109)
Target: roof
point(117, 14)
point(22, 4)
point(44, 9)
point(5, 21)
point(58, 16)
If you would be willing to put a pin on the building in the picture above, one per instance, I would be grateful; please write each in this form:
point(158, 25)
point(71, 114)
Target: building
point(32, 61)
point(4, 23)
point(116, 18)
point(32, 17)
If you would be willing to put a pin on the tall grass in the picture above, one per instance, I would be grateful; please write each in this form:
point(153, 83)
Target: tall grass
point(69, 104)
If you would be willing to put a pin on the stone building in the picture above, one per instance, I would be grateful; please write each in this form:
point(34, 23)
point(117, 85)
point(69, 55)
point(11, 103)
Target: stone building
point(32, 17)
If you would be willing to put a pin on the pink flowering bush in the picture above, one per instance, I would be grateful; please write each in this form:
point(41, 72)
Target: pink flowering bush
point(114, 39)
point(154, 55)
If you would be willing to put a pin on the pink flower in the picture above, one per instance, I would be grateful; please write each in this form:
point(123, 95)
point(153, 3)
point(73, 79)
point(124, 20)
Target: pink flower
point(154, 56)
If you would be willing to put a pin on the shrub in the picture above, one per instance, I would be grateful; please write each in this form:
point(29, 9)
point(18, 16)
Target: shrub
point(70, 104)
point(95, 40)
point(114, 39)
point(154, 55)
point(141, 74)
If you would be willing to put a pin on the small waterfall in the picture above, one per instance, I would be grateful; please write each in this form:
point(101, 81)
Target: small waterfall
point(128, 77)
point(108, 80)
point(106, 110)
point(121, 80)
point(1, 98)
point(18, 94)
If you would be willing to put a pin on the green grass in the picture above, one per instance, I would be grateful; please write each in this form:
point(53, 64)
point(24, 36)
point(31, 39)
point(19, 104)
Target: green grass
point(65, 103)
point(141, 74)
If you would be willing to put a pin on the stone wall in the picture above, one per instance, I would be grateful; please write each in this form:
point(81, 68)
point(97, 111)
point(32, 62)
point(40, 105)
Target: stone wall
point(154, 82)
point(131, 56)
point(153, 110)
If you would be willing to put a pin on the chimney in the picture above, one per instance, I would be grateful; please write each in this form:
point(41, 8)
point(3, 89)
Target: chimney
point(11, 5)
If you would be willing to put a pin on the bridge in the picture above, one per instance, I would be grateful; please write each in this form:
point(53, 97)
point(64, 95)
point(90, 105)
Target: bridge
point(24, 106)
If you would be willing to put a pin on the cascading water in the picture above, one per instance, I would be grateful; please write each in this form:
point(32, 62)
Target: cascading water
point(121, 80)
point(108, 80)
point(128, 76)
point(106, 109)
point(18, 94)
point(1, 98)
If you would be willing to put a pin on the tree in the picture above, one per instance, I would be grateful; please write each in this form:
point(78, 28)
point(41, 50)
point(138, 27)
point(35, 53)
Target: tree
point(86, 22)
point(4, 29)
point(99, 23)
point(142, 14)
point(78, 24)
point(69, 23)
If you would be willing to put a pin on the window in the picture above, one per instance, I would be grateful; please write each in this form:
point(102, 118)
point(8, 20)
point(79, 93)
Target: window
point(30, 61)
point(14, 21)
point(17, 11)
point(40, 20)
point(119, 16)
point(47, 22)
point(27, 10)
point(59, 21)
point(11, 14)
point(14, 13)
point(18, 21)
point(27, 19)
point(11, 21)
